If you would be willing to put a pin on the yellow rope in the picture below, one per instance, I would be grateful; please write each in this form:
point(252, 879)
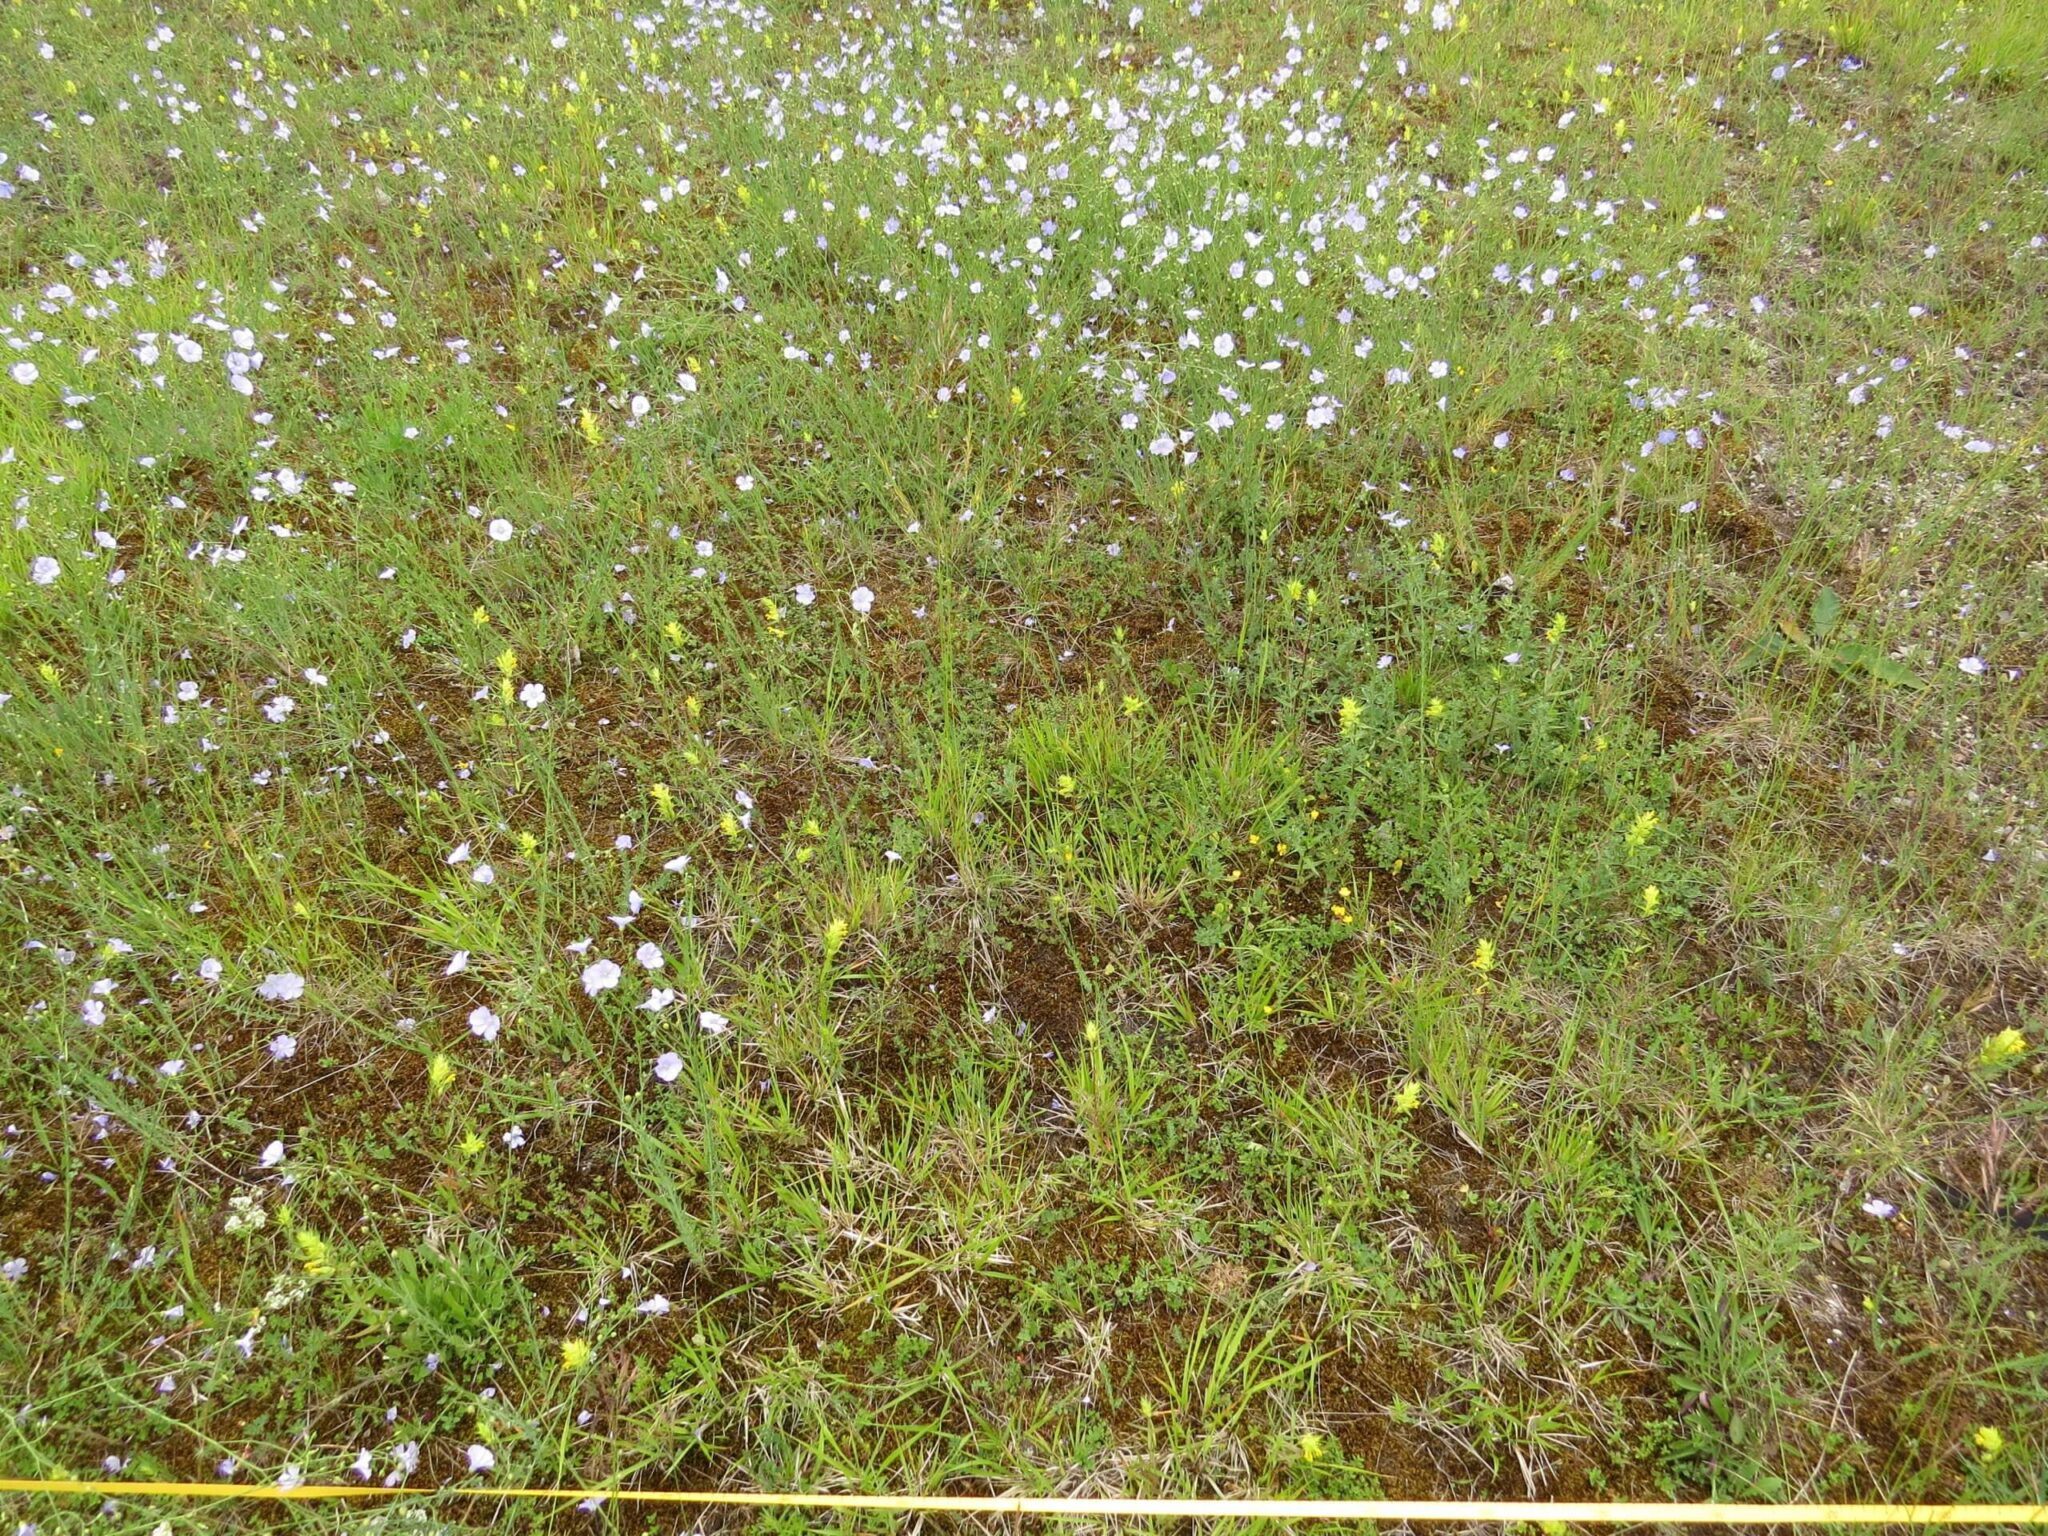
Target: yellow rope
point(1190, 1509)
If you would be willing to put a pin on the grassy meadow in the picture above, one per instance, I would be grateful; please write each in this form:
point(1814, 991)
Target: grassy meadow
point(1209, 747)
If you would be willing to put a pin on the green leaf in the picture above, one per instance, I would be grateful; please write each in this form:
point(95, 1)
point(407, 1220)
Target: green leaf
point(1897, 673)
point(1854, 656)
point(1763, 648)
point(1827, 611)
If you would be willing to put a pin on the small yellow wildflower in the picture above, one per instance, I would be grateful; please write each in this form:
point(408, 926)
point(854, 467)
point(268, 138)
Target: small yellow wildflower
point(575, 1354)
point(729, 824)
point(1313, 1447)
point(694, 705)
point(588, 424)
point(1435, 709)
point(1990, 1442)
point(1482, 956)
point(1349, 712)
point(1555, 632)
point(1407, 1097)
point(1064, 784)
point(1092, 1033)
point(440, 1073)
point(315, 1256)
point(672, 632)
point(664, 800)
point(508, 661)
point(1640, 829)
point(835, 936)
point(1133, 703)
point(471, 1144)
point(479, 615)
point(2002, 1049)
point(1652, 898)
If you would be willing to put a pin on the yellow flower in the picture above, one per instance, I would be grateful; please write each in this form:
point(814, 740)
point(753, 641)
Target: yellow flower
point(1407, 1097)
point(1435, 709)
point(1133, 703)
point(480, 616)
point(1016, 398)
point(664, 801)
point(508, 661)
point(2002, 1049)
point(1349, 712)
point(672, 632)
point(575, 1354)
point(1990, 1442)
point(1640, 829)
point(1652, 897)
point(1482, 956)
point(471, 1144)
point(1555, 632)
point(588, 423)
point(835, 936)
point(440, 1073)
point(314, 1254)
point(1064, 784)
point(1313, 1447)
point(729, 824)
point(1092, 1033)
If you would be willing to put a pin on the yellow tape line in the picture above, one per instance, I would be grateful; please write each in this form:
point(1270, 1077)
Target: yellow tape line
point(1190, 1509)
